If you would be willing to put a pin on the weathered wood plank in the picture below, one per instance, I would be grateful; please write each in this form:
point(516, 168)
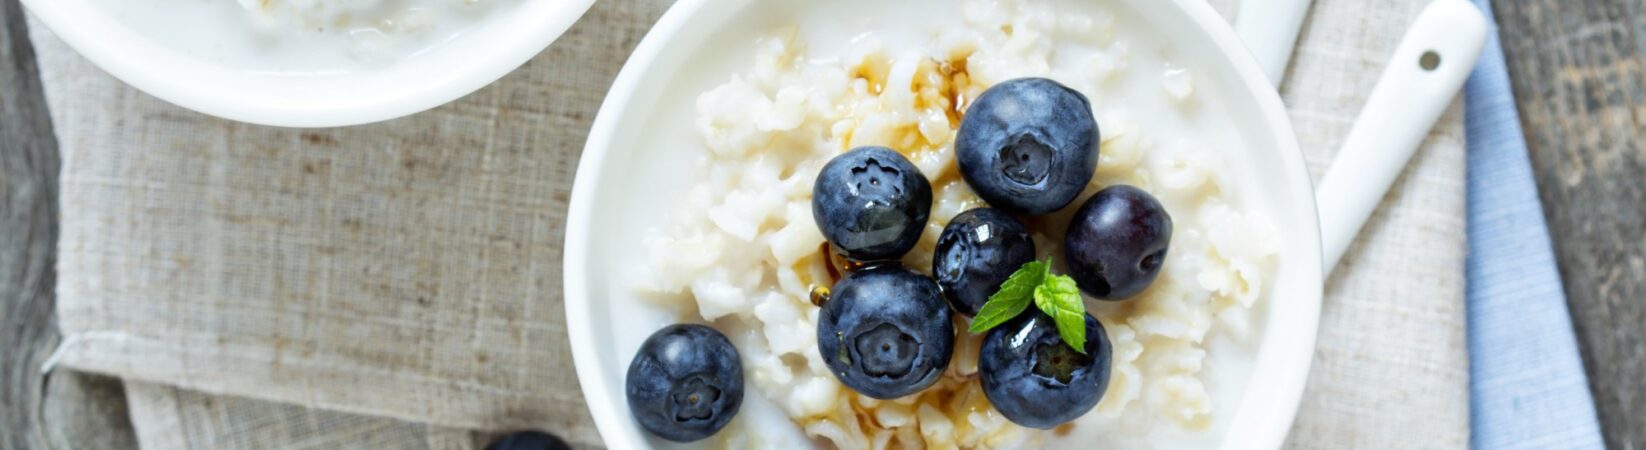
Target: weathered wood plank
point(27, 234)
point(74, 410)
point(1578, 73)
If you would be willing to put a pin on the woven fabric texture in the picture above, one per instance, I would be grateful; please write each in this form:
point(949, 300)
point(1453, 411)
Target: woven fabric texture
point(1528, 387)
point(259, 285)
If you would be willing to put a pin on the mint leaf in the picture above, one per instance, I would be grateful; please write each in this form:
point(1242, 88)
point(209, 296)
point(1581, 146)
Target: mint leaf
point(1059, 297)
point(1012, 298)
point(1022, 283)
point(998, 311)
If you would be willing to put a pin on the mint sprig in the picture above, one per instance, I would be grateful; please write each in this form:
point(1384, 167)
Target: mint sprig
point(1056, 295)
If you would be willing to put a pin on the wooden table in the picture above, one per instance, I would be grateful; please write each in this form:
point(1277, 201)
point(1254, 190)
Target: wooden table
point(1579, 73)
point(1579, 70)
point(84, 411)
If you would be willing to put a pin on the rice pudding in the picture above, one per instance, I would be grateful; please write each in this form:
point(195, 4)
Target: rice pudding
point(302, 35)
point(742, 250)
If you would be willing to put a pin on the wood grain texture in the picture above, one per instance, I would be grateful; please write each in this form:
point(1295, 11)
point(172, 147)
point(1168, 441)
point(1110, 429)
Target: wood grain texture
point(1578, 73)
point(73, 410)
point(27, 234)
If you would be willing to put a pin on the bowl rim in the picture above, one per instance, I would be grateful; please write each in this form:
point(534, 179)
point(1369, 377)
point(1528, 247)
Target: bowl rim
point(230, 93)
point(1291, 364)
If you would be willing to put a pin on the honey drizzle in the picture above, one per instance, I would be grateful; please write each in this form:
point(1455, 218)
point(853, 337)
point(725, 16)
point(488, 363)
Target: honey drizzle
point(954, 90)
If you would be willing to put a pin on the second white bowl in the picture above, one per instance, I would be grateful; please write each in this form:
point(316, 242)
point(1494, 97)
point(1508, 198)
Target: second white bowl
point(483, 53)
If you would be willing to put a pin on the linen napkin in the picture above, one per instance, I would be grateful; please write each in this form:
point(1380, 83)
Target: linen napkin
point(274, 288)
point(1528, 387)
point(1390, 367)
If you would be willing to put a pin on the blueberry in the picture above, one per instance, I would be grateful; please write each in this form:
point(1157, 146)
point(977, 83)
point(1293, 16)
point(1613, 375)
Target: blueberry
point(1036, 380)
point(528, 440)
point(871, 203)
point(886, 332)
point(977, 251)
point(1117, 242)
point(1028, 145)
point(686, 383)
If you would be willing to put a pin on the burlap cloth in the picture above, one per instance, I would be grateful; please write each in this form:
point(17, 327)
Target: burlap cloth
point(396, 285)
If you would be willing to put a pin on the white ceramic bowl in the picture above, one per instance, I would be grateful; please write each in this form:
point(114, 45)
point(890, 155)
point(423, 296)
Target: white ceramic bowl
point(451, 70)
point(622, 186)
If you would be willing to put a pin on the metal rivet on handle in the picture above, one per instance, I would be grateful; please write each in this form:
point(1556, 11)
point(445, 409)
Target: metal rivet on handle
point(1429, 61)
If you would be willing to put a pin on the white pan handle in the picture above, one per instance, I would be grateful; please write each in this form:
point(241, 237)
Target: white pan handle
point(1407, 101)
point(1269, 28)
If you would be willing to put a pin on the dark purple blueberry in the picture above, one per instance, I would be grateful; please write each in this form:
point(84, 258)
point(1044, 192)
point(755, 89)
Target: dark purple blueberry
point(686, 383)
point(977, 251)
point(1028, 146)
point(1117, 242)
point(871, 203)
point(885, 331)
point(528, 440)
point(1036, 380)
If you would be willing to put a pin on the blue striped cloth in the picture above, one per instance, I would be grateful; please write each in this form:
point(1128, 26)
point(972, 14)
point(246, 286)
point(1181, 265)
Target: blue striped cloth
point(1527, 385)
